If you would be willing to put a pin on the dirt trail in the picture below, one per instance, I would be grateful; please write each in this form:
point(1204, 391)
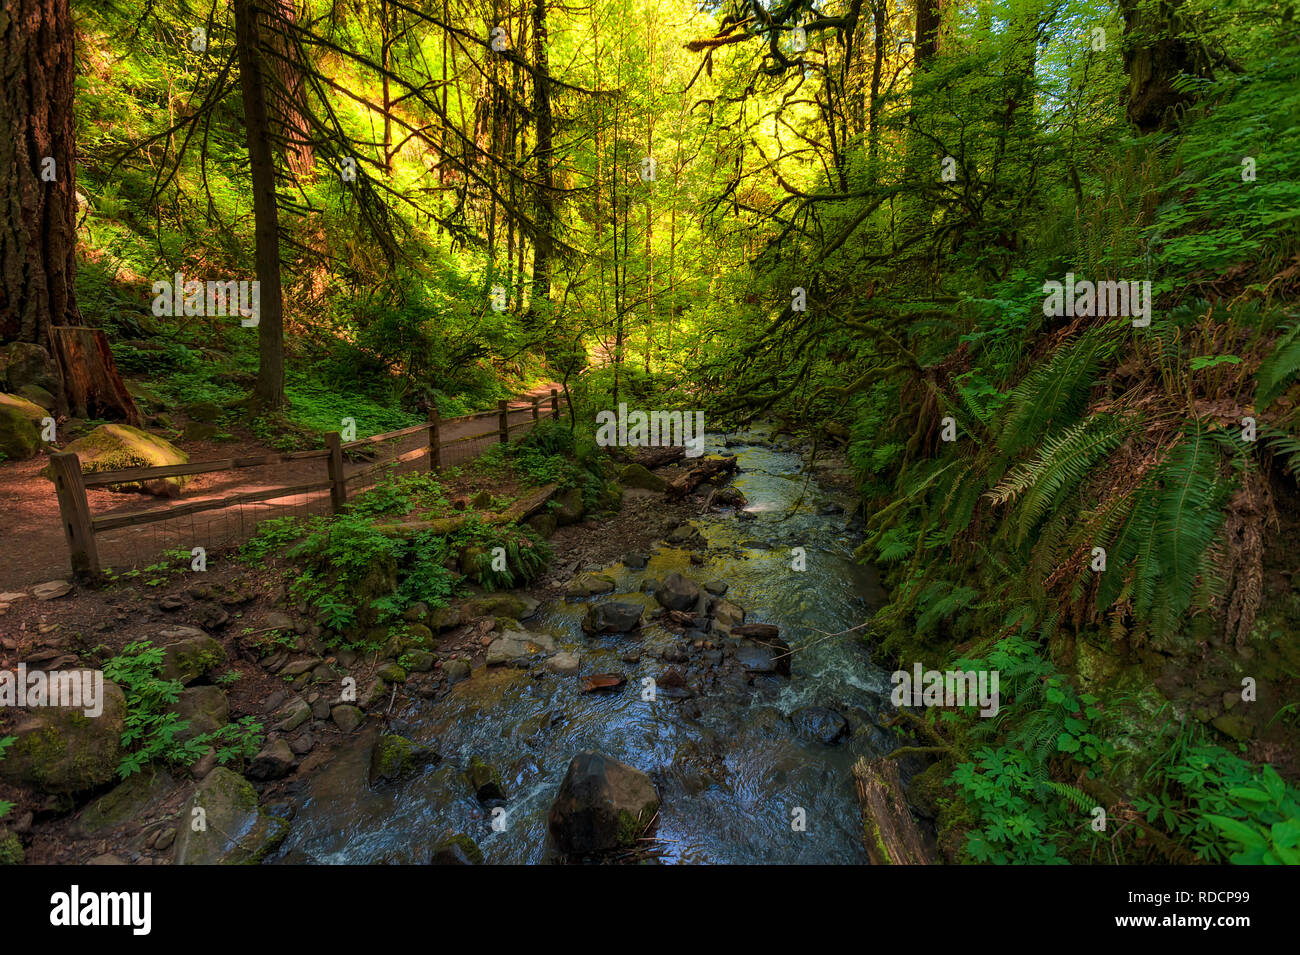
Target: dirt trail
point(33, 548)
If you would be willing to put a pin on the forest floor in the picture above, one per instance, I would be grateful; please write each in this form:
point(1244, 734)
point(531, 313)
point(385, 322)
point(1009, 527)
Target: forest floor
point(235, 603)
point(37, 551)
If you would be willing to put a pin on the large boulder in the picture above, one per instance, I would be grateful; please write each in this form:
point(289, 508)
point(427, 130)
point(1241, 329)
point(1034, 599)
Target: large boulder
point(39, 396)
point(231, 830)
point(114, 447)
point(518, 648)
point(25, 363)
point(59, 749)
point(189, 653)
point(273, 762)
point(820, 724)
point(20, 427)
point(678, 593)
point(204, 708)
point(602, 805)
point(637, 475)
point(616, 616)
point(396, 756)
point(512, 606)
point(129, 802)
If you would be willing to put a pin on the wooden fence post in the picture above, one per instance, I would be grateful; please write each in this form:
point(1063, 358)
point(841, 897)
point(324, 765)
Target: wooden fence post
point(555, 403)
point(503, 420)
point(536, 409)
point(339, 488)
point(75, 514)
point(435, 448)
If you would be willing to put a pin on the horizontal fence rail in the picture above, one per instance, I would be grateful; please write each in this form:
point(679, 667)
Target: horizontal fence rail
point(80, 527)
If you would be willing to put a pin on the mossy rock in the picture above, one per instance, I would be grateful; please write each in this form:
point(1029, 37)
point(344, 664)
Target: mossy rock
point(391, 673)
point(38, 396)
point(204, 708)
point(11, 849)
point(420, 636)
point(232, 829)
point(189, 658)
point(459, 849)
point(602, 805)
point(20, 427)
point(639, 476)
point(127, 802)
point(115, 447)
point(570, 509)
point(611, 496)
point(59, 749)
point(396, 756)
point(1234, 727)
point(499, 605)
point(926, 788)
point(1095, 665)
point(588, 584)
point(484, 779)
point(543, 524)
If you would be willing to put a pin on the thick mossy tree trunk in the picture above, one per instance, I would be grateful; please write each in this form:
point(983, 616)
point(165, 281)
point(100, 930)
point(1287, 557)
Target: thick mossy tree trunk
point(269, 390)
point(1154, 55)
point(38, 231)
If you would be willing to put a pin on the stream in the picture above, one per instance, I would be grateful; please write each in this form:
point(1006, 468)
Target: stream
point(731, 769)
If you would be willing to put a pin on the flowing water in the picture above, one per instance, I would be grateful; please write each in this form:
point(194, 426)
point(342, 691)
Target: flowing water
point(731, 771)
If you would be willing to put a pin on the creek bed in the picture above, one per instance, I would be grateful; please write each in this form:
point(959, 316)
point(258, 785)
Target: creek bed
point(730, 768)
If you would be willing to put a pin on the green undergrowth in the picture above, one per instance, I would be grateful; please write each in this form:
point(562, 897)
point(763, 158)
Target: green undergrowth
point(152, 733)
point(358, 570)
point(1053, 778)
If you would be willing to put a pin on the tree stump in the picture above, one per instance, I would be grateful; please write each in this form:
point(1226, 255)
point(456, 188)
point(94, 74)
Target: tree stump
point(91, 383)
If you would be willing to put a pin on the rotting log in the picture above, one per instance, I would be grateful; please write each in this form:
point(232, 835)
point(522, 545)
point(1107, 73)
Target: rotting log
point(520, 510)
point(652, 458)
point(889, 832)
point(706, 470)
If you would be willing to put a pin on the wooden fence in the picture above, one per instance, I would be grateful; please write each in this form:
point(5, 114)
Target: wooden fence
point(80, 526)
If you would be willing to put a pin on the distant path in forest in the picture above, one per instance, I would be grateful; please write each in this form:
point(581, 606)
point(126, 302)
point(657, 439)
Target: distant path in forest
point(35, 548)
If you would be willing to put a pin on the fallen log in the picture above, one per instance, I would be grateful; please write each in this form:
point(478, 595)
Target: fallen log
point(652, 458)
point(520, 510)
point(706, 470)
point(889, 832)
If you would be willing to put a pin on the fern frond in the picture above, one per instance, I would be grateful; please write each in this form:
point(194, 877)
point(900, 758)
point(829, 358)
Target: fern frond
point(1065, 463)
point(1278, 370)
point(1054, 394)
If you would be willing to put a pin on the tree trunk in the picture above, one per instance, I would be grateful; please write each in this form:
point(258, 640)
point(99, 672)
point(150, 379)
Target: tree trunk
point(545, 199)
point(270, 330)
point(289, 99)
point(928, 18)
point(877, 63)
point(1153, 58)
point(38, 240)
